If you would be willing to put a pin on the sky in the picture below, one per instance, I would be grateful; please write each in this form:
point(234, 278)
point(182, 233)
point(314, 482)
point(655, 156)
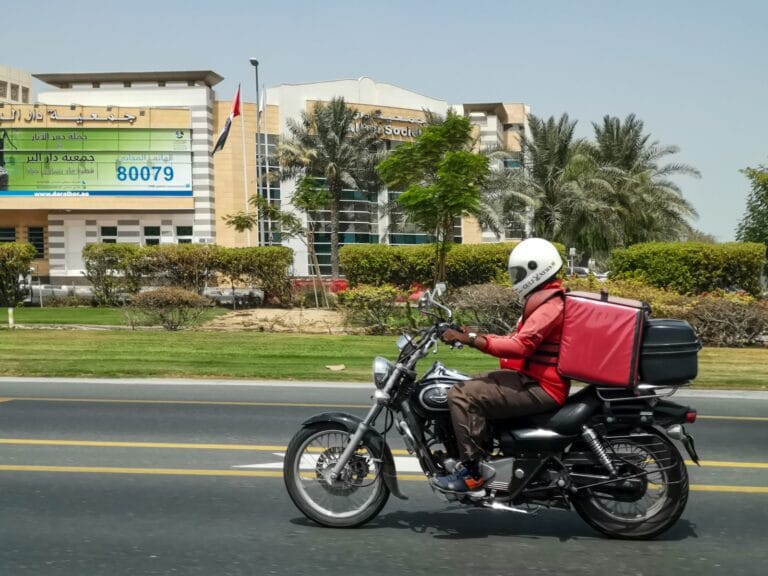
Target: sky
point(696, 72)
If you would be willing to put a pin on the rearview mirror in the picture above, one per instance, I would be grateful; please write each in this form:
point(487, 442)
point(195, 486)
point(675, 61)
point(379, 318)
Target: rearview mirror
point(440, 288)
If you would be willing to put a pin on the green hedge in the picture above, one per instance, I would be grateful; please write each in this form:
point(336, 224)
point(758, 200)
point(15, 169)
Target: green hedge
point(691, 267)
point(113, 270)
point(404, 266)
point(265, 266)
point(116, 268)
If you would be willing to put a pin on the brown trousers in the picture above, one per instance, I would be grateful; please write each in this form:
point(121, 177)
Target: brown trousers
point(496, 395)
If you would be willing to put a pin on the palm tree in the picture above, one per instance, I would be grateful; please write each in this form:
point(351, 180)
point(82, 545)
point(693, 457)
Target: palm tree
point(570, 191)
point(334, 143)
point(648, 202)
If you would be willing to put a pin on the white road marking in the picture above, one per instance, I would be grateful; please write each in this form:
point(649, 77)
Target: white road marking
point(402, 464)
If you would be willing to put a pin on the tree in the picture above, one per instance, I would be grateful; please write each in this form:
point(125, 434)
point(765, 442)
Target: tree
point(15, 259)
point(309, 197)
point(335, 143)
point(441, 178)
point(754, 225)
point(113, 270)
point(570, 191)
point(648, 203)
point(594, 196)
point(504, 204)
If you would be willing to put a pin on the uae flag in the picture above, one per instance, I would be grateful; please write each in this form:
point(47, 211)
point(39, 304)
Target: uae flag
point(225, 132)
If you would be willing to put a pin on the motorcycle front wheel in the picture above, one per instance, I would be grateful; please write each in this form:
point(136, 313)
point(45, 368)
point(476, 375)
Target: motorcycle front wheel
point(640, 508)
point(356, 496)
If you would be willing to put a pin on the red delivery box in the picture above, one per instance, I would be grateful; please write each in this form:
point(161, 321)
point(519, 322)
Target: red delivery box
point(601, 339)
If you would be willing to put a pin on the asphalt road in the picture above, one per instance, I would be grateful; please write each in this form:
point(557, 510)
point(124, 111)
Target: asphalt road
point(149, 478)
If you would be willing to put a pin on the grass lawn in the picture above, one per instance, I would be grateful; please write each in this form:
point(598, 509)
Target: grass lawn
point(77, 315)
point(126, 353)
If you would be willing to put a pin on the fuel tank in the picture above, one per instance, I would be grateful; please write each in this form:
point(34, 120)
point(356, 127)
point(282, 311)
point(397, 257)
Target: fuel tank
point(430, 394)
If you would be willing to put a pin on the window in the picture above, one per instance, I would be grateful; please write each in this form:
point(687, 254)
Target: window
point(151, 235)
point(7, 234)
point(25, 95)
point(15, 92)
point(184, 234)
point(109, 234)
point(36, 237)
point(3, 89)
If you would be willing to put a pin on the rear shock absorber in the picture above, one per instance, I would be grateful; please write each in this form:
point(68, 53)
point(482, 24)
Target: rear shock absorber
point(596, 446)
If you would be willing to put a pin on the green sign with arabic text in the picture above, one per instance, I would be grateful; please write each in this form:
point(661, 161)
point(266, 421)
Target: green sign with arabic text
point(95, 162)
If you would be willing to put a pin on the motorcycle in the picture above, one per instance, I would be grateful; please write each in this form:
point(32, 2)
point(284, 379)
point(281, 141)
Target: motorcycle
point(607, 453)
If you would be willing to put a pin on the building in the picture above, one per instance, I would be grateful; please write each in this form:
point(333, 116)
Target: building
point(126, 157)
point(15, 86)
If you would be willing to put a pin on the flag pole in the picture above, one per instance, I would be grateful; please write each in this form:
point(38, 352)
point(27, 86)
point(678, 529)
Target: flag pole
point(245, 174)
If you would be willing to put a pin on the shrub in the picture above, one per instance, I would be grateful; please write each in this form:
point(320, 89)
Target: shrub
point(15, 259)
point(382, 264)
point(172, 308)
point(188, 266)
point(402, 266)
point(729, 321)
point(487, 307)
point(372, 307)
point(692, 268)
point(269, 268)
point(113, 270)
point(468, 264)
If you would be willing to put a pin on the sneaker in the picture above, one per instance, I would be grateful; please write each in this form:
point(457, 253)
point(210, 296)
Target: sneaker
point(461, 480)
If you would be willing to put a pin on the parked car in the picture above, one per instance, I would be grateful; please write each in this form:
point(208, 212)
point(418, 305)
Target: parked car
point(578, 271)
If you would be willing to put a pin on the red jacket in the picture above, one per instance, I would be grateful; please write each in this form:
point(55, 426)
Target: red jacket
point(533, 348)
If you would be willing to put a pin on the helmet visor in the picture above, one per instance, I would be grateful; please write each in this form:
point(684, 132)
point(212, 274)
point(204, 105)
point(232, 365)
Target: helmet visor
point(517, 274)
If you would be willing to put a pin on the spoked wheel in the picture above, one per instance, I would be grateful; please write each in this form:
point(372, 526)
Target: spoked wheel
point(642, 507)
point(352, 499)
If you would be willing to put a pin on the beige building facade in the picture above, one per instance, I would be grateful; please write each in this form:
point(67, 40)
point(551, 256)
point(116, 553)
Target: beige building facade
point(126, 157)
point(15, 86)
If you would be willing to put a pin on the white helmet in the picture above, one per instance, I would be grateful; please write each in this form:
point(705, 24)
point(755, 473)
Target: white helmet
point(532, 263)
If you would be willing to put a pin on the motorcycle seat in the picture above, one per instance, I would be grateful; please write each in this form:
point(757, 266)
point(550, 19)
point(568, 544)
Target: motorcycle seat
point(565, 420)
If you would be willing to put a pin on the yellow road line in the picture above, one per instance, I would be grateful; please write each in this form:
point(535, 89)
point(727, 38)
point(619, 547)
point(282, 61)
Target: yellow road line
point(732, 489)
point(152, 471)
point(188, 402)
point(742, 418)
point(163, 445)
point(279, 474)
point(720, 464)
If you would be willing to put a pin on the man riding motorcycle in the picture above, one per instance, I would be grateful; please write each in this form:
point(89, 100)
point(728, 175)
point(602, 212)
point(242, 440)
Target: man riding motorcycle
point(528, 382)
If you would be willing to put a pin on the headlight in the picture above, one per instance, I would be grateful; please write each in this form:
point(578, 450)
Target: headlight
point(382, 368)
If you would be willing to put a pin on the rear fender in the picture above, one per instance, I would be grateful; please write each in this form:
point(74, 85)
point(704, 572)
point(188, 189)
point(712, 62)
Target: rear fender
point(666, 413)
point(372, 438)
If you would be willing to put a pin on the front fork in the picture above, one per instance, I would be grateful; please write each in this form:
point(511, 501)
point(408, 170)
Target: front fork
point(355, 439)
point(406, 425)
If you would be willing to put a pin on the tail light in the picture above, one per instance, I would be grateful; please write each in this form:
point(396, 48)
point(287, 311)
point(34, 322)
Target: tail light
point(690, 416)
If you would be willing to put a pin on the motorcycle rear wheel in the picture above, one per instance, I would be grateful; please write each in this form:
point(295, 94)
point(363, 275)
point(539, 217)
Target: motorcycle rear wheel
point(354, 499)
point(649, 513)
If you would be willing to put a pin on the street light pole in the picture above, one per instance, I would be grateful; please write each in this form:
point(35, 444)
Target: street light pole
point(262, 237)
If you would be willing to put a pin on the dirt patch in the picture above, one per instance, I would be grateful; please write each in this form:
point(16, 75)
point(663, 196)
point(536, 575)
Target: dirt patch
point(299, 320)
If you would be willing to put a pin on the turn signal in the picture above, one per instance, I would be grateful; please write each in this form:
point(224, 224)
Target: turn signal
point(690, 416)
